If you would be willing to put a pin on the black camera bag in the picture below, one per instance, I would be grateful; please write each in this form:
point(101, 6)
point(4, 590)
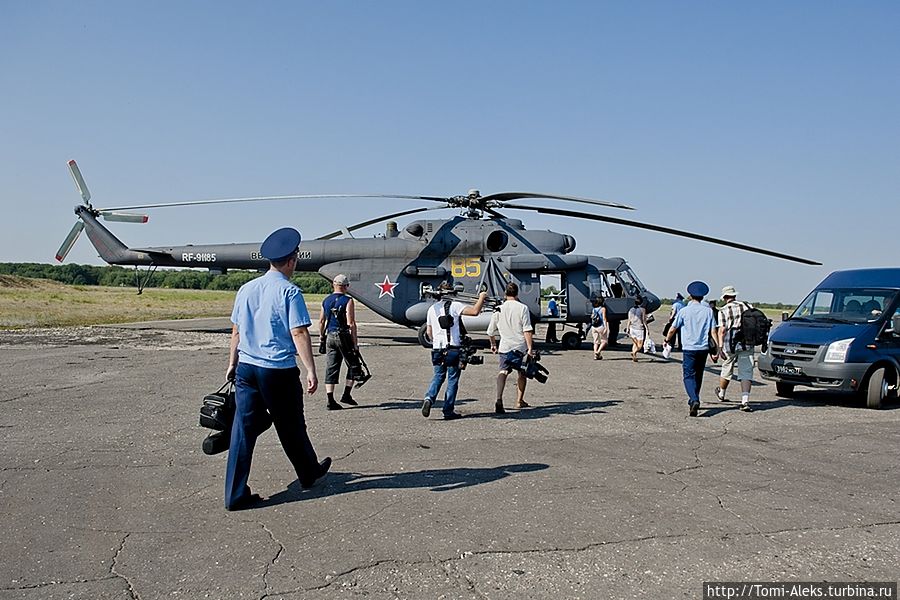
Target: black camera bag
point(217, 411)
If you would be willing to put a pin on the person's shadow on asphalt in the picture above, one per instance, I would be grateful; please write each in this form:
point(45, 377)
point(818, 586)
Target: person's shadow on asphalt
point(435, 480)
point(537, 410)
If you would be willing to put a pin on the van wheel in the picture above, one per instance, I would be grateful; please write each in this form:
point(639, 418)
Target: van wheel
point(571, 341)
point(878, 388)
point(783, 389)
point(423, 336)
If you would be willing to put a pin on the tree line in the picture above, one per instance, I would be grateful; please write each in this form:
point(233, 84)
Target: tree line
point(74, 274)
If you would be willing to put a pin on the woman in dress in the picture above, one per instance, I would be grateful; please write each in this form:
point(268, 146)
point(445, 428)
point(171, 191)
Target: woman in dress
point(637, 327)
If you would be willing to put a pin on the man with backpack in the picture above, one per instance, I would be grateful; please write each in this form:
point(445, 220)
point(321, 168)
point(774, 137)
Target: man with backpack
point(338, 316)
point(741, 328)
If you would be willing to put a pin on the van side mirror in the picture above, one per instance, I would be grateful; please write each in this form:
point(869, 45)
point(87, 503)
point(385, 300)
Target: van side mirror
point(785, 316)
point(895, 324)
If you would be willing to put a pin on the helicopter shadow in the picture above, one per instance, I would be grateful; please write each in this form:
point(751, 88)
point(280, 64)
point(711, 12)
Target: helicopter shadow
point(434, 480)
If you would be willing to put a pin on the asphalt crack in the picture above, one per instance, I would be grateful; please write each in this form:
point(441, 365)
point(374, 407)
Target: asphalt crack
point(271, 564)
point(112, 569)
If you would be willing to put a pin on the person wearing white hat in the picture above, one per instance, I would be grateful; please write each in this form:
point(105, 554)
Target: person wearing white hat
point(737, 359)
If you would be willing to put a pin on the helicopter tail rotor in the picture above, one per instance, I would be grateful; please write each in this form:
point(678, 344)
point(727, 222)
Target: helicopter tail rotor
point(107, 214)
point(67, 244)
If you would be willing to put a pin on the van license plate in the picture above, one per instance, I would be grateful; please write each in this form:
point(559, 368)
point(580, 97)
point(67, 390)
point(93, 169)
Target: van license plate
point(788, 370)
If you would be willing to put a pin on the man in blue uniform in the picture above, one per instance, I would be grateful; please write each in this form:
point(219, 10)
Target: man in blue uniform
point(695, 322)
point(270, 328)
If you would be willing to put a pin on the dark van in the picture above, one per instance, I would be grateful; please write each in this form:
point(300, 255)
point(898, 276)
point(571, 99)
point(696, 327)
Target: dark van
point(845, 336)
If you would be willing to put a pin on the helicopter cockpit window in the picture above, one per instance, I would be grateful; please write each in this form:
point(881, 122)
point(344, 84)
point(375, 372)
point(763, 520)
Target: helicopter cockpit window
point(630, 281)
point(497, 241)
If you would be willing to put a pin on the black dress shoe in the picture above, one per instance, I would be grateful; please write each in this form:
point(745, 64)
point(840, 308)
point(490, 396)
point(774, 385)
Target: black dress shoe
point(334, 406)
point(348, 400)
point(453, 416)
point(245, 502)
point(324, 465)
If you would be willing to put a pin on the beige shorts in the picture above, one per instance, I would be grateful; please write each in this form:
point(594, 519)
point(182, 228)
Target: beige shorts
point(600, 334)
point(743, 361)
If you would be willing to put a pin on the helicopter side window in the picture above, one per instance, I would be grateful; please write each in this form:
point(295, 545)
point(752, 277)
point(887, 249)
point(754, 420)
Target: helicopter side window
point(598, 286)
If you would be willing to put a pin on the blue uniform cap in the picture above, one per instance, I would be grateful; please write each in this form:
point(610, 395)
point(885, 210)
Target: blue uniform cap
point(697, 288)
point(280, 244)
point(678, 296)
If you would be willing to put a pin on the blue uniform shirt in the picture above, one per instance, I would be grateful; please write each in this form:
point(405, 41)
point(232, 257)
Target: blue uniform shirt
point(265, 311)
point(695, 321)
point(553, 308)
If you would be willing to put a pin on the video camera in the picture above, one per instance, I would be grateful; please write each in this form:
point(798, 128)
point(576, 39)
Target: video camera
point(534, 369)
point(456, 292)
point(467, 353)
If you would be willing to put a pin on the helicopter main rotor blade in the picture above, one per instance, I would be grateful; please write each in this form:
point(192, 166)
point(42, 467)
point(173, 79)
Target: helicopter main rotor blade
point(661, 229)
point(79, 182)
point(505, 196)
point(270, 199)
point(124, 217)
point(67, 244)
point(334, 234)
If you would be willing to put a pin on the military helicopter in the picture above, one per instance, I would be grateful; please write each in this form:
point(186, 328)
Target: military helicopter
point(480, 249)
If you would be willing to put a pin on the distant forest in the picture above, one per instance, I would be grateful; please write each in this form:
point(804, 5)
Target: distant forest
point(73, 274)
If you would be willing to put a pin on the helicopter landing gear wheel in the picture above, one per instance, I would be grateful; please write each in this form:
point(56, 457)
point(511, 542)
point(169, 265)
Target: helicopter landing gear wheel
point(423, 336)
point(571, 341)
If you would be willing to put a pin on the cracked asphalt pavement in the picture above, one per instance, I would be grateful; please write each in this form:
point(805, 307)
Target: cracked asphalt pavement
point(605, 488)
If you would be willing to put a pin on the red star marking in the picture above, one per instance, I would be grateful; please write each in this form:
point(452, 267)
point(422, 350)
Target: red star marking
point(386, 287)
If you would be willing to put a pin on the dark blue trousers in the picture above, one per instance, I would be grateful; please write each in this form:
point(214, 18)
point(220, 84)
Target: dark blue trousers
point(692, 364)
point(280, 392)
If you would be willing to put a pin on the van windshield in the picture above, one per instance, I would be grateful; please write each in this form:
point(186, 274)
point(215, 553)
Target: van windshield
point(844, 305)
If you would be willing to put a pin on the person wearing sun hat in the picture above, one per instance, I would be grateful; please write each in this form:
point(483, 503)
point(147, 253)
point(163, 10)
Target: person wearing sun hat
point(270, 328)
point(736, 357)
point(695, 322)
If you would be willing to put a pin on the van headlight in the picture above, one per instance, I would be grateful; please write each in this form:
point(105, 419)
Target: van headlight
point(837, 351)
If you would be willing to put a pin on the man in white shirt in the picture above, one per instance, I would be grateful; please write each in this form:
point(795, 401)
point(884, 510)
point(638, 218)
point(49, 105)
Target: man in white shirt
point(513, 323)
point(443, 319)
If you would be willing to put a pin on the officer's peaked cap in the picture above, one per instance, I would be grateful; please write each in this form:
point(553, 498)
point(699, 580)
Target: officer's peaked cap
point(280, 244)
point(697, 288)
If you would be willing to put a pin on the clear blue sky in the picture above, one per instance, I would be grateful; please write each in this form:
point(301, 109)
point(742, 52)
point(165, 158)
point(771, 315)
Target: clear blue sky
point(696, 113)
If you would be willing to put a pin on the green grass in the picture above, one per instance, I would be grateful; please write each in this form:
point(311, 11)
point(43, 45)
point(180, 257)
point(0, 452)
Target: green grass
point(41, 303)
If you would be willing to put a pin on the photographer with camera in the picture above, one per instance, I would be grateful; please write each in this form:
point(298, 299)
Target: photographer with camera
point(338, 340)
point(443, 327)
point(513, 323)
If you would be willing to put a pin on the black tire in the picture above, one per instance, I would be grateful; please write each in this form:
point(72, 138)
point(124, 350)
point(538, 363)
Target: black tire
point(423, 336)
point(784, 389)
point(877, 390)
point(571, 341)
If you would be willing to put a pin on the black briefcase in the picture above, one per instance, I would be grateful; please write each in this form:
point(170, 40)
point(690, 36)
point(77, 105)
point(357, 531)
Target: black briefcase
point(217, 411)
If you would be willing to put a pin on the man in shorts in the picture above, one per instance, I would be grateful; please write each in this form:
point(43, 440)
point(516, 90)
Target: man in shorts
point(738, 361)
point(513, 322)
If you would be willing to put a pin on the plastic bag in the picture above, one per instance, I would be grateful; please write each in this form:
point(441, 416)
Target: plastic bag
point(649, 345)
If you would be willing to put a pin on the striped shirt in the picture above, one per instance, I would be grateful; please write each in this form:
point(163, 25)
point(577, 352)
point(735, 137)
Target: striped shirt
point(730, 319)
